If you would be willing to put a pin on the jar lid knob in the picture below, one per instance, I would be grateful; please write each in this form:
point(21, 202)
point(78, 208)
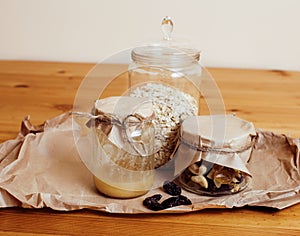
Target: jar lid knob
point(167, 27)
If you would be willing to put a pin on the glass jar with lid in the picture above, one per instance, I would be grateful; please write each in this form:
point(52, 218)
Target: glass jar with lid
point(169, 73)
point(217, 148)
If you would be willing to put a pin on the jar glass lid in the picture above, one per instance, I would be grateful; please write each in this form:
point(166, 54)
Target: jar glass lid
point(166, 49)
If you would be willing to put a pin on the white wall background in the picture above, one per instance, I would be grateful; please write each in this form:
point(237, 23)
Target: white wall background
point(230, 33)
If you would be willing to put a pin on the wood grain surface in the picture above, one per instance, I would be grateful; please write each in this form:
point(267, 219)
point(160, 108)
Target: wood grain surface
point(268, 98)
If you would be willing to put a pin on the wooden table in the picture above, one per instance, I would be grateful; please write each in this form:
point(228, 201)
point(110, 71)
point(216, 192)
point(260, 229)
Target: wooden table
point(268, 98)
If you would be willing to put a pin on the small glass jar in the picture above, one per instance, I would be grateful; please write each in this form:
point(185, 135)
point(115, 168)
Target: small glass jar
point(216, 149)
point(169, 74)
point(125, 133)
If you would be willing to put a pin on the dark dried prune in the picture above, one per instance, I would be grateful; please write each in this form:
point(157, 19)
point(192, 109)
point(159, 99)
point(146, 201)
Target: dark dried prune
point(154, 198)
point(176, 201)
point(152, 202)
point(184, 200)
point(171, 188)
point(155, 206)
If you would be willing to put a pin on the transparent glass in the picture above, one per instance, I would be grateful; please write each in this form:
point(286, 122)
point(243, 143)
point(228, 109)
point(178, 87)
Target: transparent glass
point(172, 67)
point(171, 78)
point(117, 149)
point(207, 178)
point(218, 148)
point(122, 173)
point(176, 78)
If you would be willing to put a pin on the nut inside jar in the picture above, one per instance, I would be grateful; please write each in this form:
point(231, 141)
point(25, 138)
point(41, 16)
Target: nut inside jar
point(208, 178)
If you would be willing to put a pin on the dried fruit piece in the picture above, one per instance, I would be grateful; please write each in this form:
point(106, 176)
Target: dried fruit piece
point(176, 201)
point(155, 206)
point(215, 169)
point(216, 180)
point(152, 202)
point(171, 188)
point(184, 200)
point(224, 176)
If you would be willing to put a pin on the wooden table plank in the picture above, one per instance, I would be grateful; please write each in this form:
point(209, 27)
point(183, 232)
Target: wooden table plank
point(225, 222)
point(270, 99)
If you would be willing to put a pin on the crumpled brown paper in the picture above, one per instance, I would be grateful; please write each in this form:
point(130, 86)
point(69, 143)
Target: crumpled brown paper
point(41, 168)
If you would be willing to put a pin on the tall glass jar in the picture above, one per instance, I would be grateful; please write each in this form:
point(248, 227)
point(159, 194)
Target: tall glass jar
point(169, 73)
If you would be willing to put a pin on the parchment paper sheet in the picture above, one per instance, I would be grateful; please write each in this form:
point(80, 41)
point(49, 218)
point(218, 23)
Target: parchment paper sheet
point(41, 168)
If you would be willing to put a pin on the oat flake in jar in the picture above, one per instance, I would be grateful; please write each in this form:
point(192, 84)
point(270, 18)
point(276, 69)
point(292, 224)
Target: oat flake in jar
point(169, 73)
point(218, 148)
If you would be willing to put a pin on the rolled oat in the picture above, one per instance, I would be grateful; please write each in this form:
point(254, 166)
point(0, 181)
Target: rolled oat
point(171, 107)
